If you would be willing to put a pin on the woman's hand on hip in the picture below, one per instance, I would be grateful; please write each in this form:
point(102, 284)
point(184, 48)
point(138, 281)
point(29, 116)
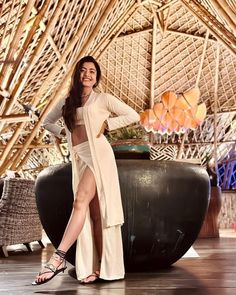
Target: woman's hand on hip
point(103, 128)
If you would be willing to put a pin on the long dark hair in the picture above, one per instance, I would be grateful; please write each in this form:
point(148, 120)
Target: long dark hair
point(74, 100)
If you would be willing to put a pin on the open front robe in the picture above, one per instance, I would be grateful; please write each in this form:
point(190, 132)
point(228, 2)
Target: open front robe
point(96, 110)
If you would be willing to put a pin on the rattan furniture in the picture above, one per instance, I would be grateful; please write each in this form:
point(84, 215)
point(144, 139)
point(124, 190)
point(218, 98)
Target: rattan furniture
point(19, 219)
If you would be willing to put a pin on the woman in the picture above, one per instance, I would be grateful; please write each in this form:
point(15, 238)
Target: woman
point(97, 213)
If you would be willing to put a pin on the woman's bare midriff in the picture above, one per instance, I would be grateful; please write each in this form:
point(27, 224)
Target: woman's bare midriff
point(79, 135)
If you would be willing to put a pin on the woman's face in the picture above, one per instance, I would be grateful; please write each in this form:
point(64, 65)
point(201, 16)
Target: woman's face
point(88, 74)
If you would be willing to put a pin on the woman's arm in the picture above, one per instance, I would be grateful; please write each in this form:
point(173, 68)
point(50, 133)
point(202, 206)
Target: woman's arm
point(53, 116)
point(125, 115)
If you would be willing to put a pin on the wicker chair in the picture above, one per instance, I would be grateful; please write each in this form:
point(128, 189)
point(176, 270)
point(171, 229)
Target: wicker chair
point(19, 219)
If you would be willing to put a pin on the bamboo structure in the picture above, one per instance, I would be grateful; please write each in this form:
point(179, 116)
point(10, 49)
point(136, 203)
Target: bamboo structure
point(144, 48)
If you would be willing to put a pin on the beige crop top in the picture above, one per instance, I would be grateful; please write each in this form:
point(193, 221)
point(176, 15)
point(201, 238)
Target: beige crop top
point(80, 117)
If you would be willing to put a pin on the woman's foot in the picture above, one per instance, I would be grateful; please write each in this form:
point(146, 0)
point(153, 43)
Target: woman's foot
point(55, 265)
point(91, 278)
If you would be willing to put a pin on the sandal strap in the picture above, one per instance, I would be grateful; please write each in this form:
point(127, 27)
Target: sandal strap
point(52, 267)
point(60, 253)
point(43, 272)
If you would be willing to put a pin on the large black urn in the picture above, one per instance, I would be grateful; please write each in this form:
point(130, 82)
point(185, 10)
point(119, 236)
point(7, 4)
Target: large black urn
point(164, 205)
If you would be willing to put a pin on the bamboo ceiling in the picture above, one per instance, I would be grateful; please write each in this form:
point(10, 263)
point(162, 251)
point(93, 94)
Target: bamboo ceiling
point(144, 47)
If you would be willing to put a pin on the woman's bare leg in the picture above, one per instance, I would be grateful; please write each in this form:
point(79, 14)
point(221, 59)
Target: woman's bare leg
point(97, 224)
point(85, 193)
point(95, 215)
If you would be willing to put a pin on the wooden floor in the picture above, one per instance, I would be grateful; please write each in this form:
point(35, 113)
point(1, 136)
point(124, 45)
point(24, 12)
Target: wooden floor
point(213, 272)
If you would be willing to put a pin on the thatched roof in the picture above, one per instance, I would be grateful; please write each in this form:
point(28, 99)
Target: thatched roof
point(144, 47)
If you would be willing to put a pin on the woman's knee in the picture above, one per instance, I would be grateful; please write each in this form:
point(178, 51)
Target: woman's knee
point(82, 200)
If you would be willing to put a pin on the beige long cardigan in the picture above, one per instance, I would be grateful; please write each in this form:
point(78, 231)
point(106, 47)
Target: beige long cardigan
point(98, 108)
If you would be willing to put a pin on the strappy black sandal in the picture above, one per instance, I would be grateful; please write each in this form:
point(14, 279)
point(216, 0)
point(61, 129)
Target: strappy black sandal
point(95, 274)
point(52, 269)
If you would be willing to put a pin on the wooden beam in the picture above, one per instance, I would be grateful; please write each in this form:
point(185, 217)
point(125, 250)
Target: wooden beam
point(214, 26)
point(15, 118)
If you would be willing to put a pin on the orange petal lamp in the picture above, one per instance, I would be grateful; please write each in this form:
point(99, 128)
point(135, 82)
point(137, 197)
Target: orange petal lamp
point(174, 114)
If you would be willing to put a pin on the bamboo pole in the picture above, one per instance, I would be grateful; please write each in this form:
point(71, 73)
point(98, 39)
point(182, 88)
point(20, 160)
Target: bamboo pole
point(6, 41)
point(226, 12)
point(27, 154)
point(115, 36)
point(223, 112)
point(153, 62)
point(31, 146)
point(70, 47)
point(231, 14)
point(199, 143)
point(116, 25)
point(14, 118)
point(58, 147)
point(38, 124)
point(9, 161)
point(24, 76)
point(202, 58)
point(15, 43)
point(98, 26)
point(149, 29)
point(158, 21)
point(10, 144)
point(29, 38)
point(168, 4)
point(6, 45)
point(181, 148)
point(214, 26)
point(3, 36)
point(23, 161)
point(215, 106)
point(166, 20)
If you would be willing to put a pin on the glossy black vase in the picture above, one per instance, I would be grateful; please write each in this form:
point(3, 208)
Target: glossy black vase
point(164, 205)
